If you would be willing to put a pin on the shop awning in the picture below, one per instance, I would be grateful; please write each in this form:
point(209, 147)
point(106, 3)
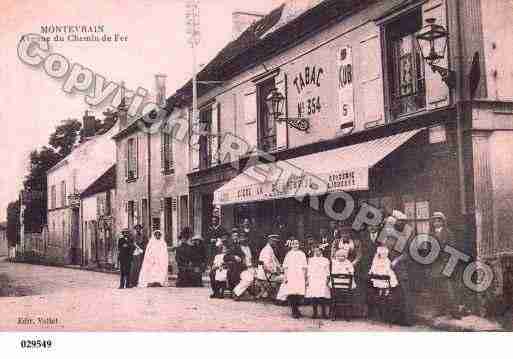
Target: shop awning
point(342, 169)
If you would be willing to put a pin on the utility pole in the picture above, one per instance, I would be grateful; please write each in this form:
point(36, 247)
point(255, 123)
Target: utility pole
point(192, 21)
point(193, 31)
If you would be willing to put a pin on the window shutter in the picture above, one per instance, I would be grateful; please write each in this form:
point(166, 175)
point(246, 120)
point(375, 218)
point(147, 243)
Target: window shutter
point(162, 151)
point(371, 83)
point(437, 92)
point(125, 154)
point(136, 157)
point(193, 142)
point(170, 153)
point(281, 126)
point(250, 134)
point(215, 133)
point(137, 214)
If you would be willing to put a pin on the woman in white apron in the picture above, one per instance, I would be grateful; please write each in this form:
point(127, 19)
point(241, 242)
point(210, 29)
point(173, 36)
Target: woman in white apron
point(155, 263)
point(294, 267)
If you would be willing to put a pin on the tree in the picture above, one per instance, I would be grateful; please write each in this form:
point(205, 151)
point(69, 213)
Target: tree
point(65, 136)
point(13, 223)
point(35, 187)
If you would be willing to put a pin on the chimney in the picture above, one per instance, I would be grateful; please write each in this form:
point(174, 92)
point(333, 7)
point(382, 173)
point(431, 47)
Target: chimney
point(241, 20)
point(122, 108)
point(160, 89)
point(88, 125)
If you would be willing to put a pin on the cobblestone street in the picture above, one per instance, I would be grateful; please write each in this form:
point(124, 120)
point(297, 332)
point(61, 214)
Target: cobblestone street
point(69, 299)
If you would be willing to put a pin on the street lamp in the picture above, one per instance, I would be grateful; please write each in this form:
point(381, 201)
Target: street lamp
point(434, 37)
point(275, 103)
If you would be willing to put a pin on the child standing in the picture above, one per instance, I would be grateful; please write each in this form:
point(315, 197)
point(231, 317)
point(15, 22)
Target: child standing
point(341, 265)
point(318, 272)
point(220, 274)
point(381, 265)
point(294, 267)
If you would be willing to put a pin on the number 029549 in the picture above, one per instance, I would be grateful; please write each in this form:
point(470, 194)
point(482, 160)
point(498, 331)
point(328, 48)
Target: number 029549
point(36, 343)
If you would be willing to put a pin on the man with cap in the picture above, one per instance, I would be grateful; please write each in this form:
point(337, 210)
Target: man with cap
point(254, 242)
point(140, 242)
point(234, 259)
point(214, 234)
point(125, 249)
point(198, 259)
point(445, 287)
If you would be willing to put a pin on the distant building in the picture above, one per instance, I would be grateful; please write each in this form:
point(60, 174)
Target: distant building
point(66, 181)
point(4, 248)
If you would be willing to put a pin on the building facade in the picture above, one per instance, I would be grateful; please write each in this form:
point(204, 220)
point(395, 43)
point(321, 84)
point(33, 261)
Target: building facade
point(152, 184)
point(66, 181)
point(384, 126)
point(99, 242)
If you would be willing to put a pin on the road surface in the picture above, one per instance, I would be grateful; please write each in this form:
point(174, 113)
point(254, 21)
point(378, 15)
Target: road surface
point(62, 299)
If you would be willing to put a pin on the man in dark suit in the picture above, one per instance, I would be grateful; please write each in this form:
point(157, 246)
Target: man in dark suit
point(214, 234)
point(445, 287)
point(125, 250)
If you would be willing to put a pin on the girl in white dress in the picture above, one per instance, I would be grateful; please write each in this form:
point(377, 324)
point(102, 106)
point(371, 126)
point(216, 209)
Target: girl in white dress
point(317, 284)
point(294, 267)
point(381, 265)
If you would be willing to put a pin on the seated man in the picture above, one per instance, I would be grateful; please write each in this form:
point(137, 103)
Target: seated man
point(247, 279)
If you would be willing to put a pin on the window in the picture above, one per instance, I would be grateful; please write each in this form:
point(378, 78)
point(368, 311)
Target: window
point(53, 197)
point(63, 194)
point(205, 140)
point(168, 220)
point(266, 123)
point(131, 213)
point(166, 153)
point(108, 204)
point(131, 158)
point(405, 65)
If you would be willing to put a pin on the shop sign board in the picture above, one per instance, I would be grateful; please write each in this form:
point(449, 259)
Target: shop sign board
point(345, 89)
point(310, 184)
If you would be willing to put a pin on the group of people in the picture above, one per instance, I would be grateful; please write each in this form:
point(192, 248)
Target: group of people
point(245, 266)
point(142, 263)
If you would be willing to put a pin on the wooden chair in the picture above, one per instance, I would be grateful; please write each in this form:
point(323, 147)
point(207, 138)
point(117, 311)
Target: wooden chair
point(341, 293)
point(381, 298)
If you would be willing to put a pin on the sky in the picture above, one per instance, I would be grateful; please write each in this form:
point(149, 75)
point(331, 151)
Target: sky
point(32, 103)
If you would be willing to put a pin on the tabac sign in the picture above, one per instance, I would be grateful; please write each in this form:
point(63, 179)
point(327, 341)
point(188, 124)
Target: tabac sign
point(345, 90)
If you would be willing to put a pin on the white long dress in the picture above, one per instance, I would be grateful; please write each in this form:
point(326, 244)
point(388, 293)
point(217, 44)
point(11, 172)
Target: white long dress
point(295, 265)
point(318, 273)
point(155, 264)
point(383, 266)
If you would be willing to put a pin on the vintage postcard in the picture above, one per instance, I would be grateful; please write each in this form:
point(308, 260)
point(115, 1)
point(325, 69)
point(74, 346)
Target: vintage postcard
point(256, 166)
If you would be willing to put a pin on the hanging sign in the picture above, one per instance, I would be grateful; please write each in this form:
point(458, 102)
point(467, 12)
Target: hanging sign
point(345, 90)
